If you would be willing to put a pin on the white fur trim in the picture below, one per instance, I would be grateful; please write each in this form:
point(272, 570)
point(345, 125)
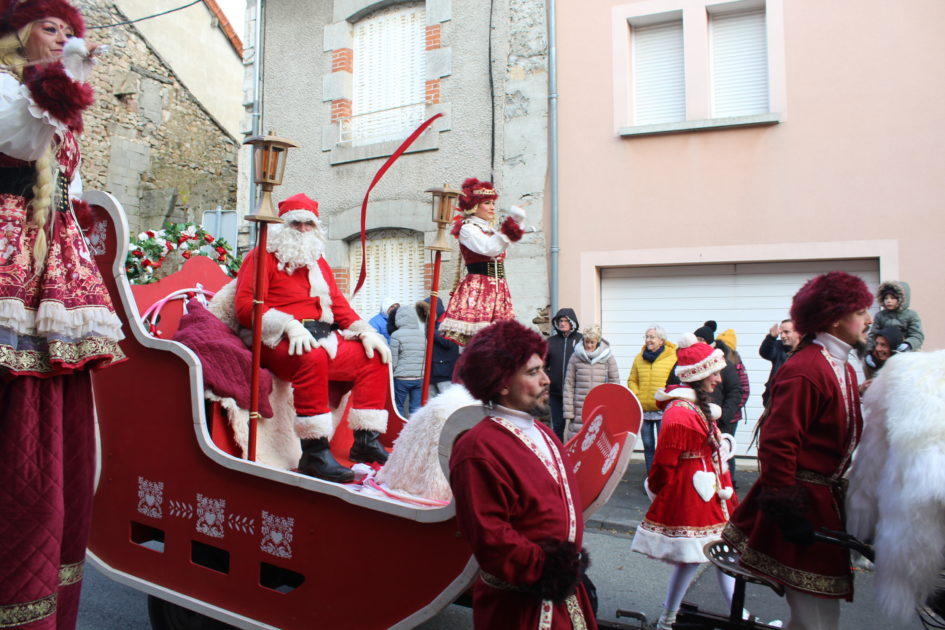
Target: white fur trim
point(314, 427)
point(646, 488)
point(368, 420)
point(319, 288)
point(300, 216)
point(895, 496)
point(675, 549)
point(359, 326)
point(414, 464)
point(54, 319)
point(715, 411)
point(223, 305)
point(329, 343)
point(273, 326)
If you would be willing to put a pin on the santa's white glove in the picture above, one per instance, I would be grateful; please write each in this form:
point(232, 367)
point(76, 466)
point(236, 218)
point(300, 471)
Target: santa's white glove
point(372, 343)
point(300, 339)
point(517, 213)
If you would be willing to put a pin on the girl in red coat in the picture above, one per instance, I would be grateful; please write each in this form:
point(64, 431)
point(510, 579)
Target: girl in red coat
point(689, 482)
point(482, 297)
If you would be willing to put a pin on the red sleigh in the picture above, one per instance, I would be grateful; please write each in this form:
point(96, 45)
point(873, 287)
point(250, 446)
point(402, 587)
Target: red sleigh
point(181, 517)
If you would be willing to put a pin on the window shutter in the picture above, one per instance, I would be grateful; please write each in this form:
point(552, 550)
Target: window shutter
point(739, 62)
point(389, 83)
point(659, 79)
point(394, 269)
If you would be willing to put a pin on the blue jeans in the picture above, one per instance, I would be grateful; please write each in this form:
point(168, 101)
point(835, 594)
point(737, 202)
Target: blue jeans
point(404, 389)
point(648, 432)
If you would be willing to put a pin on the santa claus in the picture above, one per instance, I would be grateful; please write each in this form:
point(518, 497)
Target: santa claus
point(311, 335)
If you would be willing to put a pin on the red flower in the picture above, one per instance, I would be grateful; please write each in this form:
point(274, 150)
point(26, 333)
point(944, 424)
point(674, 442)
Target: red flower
point(221, 250)
point(221, 258)
point(150, 234)
point(208, 238)
point(185, 254)
point(138, 253)
point(168, 245)
point(145, 263)
point(156, 265)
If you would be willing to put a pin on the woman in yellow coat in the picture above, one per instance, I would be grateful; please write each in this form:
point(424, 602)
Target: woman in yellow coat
point(650, 370)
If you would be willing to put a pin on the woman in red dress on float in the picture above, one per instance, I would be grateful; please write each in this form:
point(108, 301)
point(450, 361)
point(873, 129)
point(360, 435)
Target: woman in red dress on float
point(689, 482)
point(482, 296)
point(56, 318)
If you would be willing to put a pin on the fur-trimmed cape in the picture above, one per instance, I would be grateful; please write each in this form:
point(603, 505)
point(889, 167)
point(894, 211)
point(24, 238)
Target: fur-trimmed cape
point(897, 484)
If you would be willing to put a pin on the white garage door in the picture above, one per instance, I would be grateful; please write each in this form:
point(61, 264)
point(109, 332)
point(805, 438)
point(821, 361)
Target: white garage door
point(746, 297)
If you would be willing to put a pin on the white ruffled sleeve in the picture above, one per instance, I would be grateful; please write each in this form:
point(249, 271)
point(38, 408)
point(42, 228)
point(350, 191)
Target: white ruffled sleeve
point(26, 129)
point(486, 244)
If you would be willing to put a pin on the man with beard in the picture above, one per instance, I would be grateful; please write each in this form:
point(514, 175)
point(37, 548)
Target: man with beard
point(310, 336)
point(805, 447)
point(517, 501)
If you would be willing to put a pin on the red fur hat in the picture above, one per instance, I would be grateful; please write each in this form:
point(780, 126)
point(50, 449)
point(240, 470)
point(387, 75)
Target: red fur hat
point(827, 298)
point(15, 14)
point(494, 355)
point(475, 191)
point(299, 208)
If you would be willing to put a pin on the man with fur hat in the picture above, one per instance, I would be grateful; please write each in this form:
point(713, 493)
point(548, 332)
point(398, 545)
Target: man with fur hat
point(805, 446)
point(516, 496)
point(310, 335)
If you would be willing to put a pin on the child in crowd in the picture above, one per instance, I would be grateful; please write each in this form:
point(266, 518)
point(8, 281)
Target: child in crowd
point(894, 311)
point(408, 346)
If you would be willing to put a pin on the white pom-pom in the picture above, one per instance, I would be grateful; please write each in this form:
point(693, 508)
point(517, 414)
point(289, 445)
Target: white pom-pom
point(687, 340)
point(726, 493)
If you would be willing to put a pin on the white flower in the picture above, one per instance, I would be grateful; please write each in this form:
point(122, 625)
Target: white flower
point(143, 236)
point(191, 230)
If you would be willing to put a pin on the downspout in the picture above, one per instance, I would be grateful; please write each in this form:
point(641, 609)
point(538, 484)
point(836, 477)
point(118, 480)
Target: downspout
point(256, 115)
point(553, 153)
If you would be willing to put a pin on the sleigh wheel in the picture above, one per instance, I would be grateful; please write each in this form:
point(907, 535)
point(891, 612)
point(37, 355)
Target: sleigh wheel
point(167, 616)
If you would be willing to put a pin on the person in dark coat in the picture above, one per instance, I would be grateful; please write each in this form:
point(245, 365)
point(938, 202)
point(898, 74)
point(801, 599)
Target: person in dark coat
point(776, 347)
point(445, 354)
point(560, 348)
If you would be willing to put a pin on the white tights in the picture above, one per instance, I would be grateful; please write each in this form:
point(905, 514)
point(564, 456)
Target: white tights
point(682, 577)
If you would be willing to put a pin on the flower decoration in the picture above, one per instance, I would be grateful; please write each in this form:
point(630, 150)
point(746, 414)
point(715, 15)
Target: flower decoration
point(149, 249)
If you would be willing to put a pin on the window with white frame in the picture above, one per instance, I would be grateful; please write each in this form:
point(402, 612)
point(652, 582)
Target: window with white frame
point(659, 80)
point(395, 260)
point(389, 88)
point(698, 64)
point(739, 63)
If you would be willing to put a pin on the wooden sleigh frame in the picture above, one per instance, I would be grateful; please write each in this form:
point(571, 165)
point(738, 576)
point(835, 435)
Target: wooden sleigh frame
point(258, 547)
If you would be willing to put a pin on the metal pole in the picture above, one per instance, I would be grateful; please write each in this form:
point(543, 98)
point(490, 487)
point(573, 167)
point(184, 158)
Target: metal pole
point(258, 295)
point(553, 153)
point(431, 328)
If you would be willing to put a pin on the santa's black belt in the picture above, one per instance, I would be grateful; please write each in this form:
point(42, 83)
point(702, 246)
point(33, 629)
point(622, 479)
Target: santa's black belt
point(319, 329)
point(491, 268)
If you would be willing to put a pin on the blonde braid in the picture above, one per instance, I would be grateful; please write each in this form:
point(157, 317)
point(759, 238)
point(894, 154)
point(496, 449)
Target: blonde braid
point(42, 203)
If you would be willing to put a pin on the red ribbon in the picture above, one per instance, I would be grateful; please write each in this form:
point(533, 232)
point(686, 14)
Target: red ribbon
point(377, 177)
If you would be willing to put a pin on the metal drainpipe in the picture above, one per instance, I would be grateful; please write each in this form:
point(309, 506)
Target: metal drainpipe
point(553, 152)
point(257, 91)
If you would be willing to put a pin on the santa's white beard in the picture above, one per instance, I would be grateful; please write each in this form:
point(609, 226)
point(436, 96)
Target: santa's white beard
point(296, 249)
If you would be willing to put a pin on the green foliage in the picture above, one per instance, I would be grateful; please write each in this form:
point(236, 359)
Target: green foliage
point(149, 249)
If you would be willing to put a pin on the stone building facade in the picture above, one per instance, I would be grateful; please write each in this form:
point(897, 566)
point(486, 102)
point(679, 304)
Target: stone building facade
point(482, 65)
point(148, 140)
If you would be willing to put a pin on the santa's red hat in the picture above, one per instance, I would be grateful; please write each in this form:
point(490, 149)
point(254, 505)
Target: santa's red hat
point(474, 192)
point(494, 355)
point(697, 360)
point(299, 208)
point(827, 298)
point(15, 14)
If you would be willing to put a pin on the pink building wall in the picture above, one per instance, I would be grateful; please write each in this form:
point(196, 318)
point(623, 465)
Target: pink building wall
point(855, 167)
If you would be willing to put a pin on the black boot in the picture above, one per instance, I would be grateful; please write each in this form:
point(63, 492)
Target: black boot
point(367, 448)
point(317, 461)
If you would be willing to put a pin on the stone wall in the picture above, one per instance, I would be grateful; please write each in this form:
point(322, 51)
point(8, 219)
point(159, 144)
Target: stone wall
point(147, 140)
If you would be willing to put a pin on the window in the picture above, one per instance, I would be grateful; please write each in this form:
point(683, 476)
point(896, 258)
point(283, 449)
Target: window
point(739, 65)
point(394, 269)
point(659, 80)
point(389, 86)
point(685, 65)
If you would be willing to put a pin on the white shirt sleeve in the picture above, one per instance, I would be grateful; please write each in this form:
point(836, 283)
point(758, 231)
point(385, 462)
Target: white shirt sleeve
point(486, 244)
point(26, 129)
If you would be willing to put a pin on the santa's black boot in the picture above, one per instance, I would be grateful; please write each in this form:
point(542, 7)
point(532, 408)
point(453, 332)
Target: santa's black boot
point(317, 461)
point(367, 448)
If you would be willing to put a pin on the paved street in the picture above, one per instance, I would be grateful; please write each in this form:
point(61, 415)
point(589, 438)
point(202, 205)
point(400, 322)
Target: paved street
point(624, 580)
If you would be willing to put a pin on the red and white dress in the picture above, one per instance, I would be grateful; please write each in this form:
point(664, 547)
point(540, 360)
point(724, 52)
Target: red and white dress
point(680, 520)
point(482, 296)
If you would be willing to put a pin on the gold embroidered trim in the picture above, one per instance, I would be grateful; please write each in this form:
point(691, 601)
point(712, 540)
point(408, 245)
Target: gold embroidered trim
point(682, 531)
point(71, 573)
point(816, 583)
point(68, 352)
point(576, 613)
point(13, 615)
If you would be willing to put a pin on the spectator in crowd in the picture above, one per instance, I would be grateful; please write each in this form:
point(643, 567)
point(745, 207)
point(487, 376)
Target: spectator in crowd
point(592, 364)
point(379, 321)
point(560, 348)
point(649, 373)
point(728, 395)
point(806, 440)
point(776, 347)
point(894, 311)
point(445, 354)
point(885, 342)
point(408, 347)
point(690, 487)
point(727, 341)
